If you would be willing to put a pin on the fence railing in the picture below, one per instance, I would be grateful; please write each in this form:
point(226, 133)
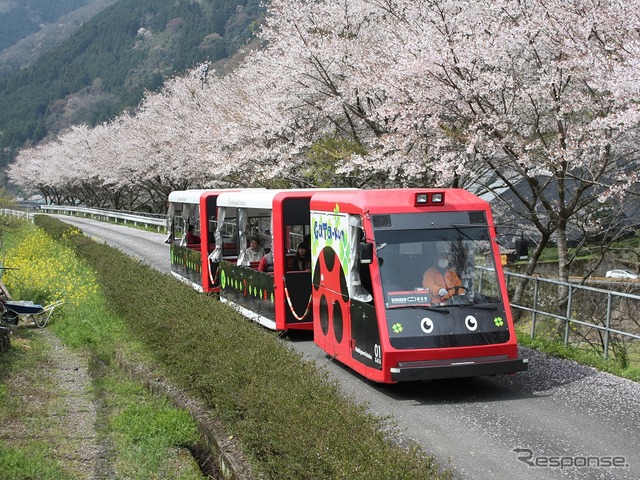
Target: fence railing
point(585, 309)
point(135, 218)
point(28, 215)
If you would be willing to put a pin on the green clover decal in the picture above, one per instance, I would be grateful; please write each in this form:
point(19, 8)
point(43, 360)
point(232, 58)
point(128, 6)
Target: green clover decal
point(397, 327)
point(498, 321)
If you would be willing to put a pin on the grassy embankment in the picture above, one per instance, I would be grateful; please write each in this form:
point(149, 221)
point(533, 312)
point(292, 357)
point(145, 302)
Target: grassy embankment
point(137, 435)
point(292, 422)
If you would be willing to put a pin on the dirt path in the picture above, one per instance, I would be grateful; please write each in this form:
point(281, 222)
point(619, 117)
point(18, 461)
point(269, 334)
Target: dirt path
point(53, 400)
point(58, 407)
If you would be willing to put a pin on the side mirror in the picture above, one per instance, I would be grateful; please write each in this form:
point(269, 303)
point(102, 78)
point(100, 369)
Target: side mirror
point(366, 253)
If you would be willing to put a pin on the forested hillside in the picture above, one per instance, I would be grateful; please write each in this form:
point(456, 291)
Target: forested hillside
point(18, 19)
point(108, 63)
point(29, 28)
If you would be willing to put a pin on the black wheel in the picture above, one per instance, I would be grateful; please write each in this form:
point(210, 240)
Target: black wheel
point(10, 318)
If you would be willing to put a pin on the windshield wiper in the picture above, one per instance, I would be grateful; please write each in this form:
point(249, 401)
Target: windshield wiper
point(488, 306)
point(425, 307)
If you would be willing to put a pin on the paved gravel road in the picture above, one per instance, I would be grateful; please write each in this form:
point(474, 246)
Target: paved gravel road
point(546, 423)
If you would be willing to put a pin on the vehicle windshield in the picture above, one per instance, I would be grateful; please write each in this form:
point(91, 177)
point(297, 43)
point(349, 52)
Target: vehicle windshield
point(449, 255)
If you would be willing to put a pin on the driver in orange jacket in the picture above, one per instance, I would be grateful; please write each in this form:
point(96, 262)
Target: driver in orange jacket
point(441, 280)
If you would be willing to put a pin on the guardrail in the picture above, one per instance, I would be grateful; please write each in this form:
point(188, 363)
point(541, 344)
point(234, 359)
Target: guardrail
point(603, 313)
point(17, 213)
point(135, 218)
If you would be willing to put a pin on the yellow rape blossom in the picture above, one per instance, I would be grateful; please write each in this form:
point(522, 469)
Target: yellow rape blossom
point(45, 271)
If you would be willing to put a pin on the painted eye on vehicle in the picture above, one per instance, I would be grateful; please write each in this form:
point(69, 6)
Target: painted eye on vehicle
point(471, 323)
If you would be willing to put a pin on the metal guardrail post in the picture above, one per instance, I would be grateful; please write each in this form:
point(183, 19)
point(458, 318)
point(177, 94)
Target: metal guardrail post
point(17, 213)
point(535, 310)
point(567, 321)
point(608, 325)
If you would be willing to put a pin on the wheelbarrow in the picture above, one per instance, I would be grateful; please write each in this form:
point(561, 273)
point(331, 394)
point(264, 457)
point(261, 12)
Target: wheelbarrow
point(15, 310)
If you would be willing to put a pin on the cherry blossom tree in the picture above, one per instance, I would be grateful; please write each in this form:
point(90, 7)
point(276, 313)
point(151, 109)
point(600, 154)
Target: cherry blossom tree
point(535, 98)
point(542, 94)
point(324, 48)
point(534, 104)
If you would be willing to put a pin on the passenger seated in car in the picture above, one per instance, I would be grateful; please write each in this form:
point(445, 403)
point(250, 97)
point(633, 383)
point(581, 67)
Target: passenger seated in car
point(254, 252)
point(192, 237)
point(302, 260)
point(266, 263)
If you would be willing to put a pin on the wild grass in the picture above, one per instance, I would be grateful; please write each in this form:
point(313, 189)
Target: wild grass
point(32, 462)
point(147, 435)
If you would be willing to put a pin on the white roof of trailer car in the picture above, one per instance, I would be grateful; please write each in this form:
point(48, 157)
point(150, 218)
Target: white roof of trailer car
point(193, 196)
point(260, 198)
point(248, 198)
point(186, 196)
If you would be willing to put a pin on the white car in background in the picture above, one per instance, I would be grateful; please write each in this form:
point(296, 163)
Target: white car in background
point(621, 274)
